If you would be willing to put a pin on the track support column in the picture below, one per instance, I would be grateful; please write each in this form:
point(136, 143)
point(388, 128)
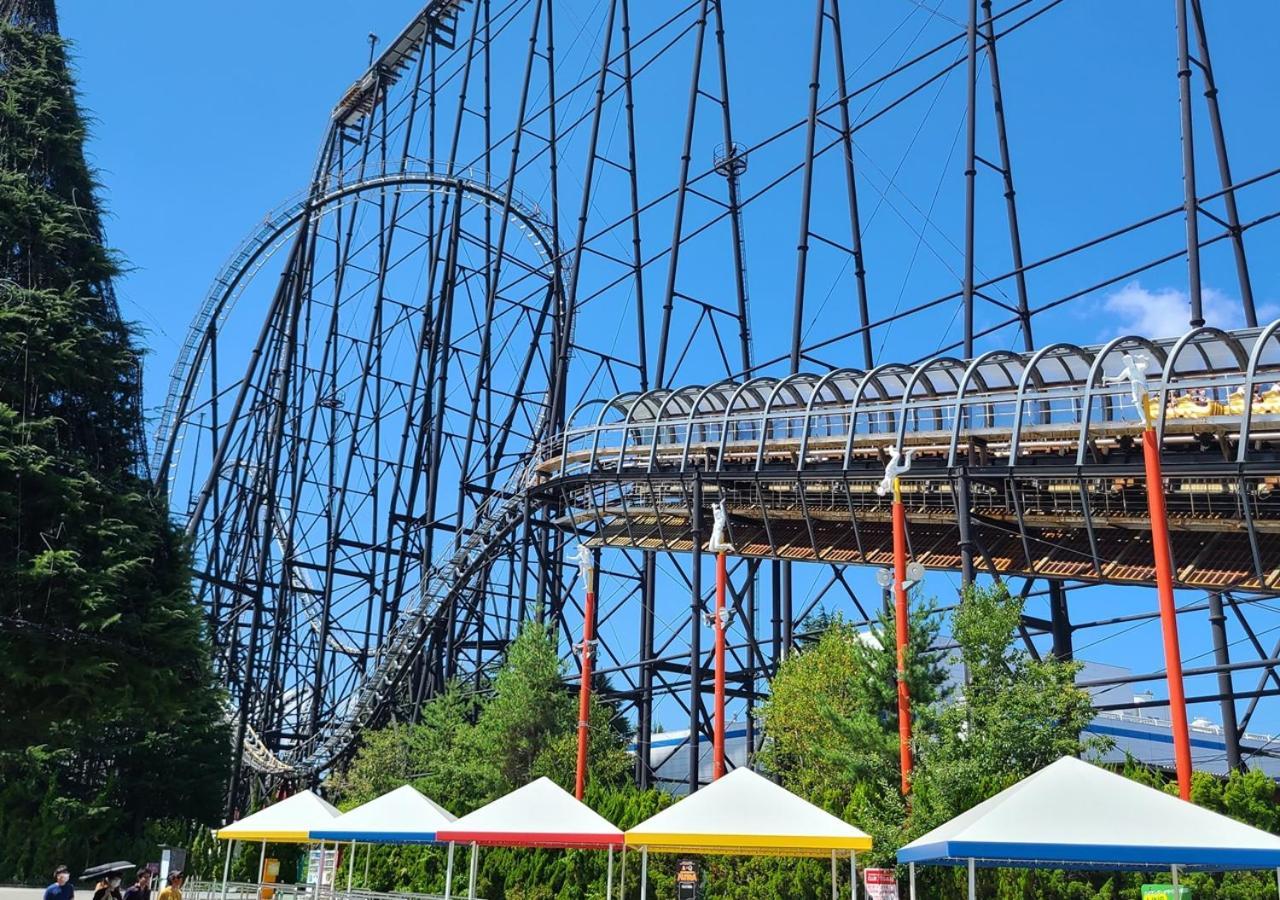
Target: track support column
point(1060, 621)
point(1222, 659)
point(964, 523)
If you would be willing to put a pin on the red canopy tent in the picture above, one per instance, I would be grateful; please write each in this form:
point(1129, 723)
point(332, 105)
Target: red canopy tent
point(540, 814)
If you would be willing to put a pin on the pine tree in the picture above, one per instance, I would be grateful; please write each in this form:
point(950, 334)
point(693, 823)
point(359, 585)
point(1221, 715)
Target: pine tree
point(111, 720)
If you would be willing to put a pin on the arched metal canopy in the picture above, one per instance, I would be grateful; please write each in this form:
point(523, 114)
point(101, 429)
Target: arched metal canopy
point(1016, 403)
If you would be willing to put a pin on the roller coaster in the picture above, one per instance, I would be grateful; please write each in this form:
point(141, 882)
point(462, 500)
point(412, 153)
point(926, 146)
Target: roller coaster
point(510, 314)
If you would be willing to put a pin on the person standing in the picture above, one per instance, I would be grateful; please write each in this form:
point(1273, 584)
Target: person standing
point(61, 889)
point(173, 889)
point(141, 888)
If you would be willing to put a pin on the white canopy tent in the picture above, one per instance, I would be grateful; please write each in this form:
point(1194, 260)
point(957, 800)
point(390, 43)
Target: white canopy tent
point(288, 822)
point(540, 814)
point(745, 813)
point(1073, 815)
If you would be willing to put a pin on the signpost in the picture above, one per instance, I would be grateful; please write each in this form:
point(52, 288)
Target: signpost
point(688, 880)
point(881, 884)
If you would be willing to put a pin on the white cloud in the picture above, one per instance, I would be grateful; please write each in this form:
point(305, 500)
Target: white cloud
point(1166, 312)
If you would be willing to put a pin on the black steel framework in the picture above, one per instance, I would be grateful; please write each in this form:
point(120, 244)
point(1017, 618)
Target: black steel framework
point(374, 434)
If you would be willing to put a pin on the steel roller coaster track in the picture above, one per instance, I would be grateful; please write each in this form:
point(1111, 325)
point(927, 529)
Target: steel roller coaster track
point(511, 313)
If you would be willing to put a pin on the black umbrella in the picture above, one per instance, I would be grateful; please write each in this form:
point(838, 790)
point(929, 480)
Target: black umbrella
point(106, 869)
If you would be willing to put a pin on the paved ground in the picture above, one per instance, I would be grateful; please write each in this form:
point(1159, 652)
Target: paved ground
point(13, 893)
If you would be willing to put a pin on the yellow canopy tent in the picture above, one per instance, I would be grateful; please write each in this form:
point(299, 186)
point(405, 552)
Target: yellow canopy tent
point(746, 814)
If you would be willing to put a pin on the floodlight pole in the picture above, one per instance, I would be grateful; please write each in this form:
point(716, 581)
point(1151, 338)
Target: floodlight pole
point(587, 571)
point(720, 546)
point(717, 769)
point(900, 623)
point(1164, 588)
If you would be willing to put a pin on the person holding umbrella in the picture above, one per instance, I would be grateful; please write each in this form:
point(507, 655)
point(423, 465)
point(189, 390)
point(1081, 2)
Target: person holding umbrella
point(108, 888)
point(61, 889)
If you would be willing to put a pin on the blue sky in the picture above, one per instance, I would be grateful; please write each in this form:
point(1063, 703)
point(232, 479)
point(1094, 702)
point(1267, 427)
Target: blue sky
point(208, 115)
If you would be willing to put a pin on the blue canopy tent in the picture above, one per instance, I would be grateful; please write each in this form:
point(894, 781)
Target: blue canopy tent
point(402, 816)
point(1072, 815)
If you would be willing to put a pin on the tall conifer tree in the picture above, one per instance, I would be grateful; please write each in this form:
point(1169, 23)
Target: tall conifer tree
point(110, 717)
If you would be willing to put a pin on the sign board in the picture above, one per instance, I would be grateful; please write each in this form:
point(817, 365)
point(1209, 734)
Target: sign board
point(172, 859)
point(688, 879)
point(270, 875)
point(322, 865)
point(1165, 892)
point(881, 884)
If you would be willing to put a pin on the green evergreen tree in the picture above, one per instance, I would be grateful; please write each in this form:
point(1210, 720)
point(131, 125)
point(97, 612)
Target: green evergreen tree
point(524, 728)
point(111, 719)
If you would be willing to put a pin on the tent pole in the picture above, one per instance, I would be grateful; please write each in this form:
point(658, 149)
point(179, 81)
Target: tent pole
point(973, 881)
point(1174, 871)
point(227, 867)
point(622, 876)
point(368, 855)
point(262, 868)
point(644, 873)
point(911, 879)
point(853, 874)
point(475, 871)
point(448, 874)
point(608, 879)
point(834, 895)
point(351, 868)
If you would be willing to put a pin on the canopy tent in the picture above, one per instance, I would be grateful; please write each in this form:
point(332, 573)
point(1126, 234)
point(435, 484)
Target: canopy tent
point(1073, 815)
point(402, 816)
point(540, 814)
point(745, 813)
point(290, 821)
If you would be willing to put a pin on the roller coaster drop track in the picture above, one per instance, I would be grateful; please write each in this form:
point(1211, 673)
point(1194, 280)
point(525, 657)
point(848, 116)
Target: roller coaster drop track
point(395, 414)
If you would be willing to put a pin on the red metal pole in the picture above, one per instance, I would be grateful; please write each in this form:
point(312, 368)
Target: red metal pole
point(1168, 613)
point(722, 578)
point(584, 690)
point(900, 621)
